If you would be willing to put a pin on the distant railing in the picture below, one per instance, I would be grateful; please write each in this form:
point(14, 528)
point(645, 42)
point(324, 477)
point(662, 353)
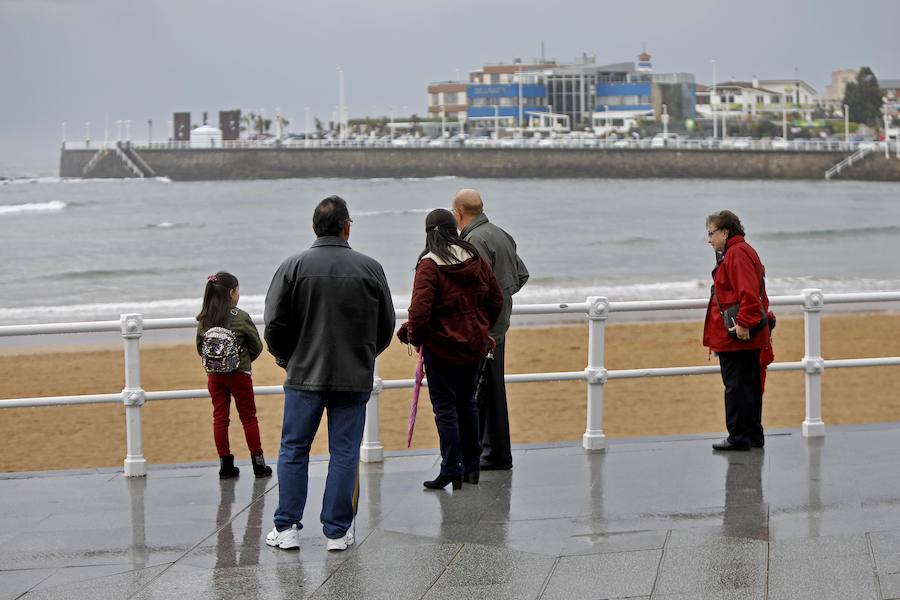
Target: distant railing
point(572, 141)
point(595, 375)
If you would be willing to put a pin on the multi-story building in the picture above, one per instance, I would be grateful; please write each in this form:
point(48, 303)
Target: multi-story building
point(891, 90)
point(582, 93)
point(834, 93)
point(449, 97)
point(734, 98)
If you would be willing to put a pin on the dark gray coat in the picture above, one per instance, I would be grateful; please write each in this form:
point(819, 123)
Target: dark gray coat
point(499, 249)
point(328, 315)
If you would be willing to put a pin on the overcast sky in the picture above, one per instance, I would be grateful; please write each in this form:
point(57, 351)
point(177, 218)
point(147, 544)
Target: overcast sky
point(78, 61)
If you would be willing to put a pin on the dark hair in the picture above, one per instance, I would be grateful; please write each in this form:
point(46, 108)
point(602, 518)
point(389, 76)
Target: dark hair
point(440, 234)
point(725, 219)
point(330, 216)
point(216, 300)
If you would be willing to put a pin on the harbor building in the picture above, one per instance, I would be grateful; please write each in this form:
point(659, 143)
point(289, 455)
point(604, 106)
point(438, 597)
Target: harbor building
point(740, 98)
point(546, 95)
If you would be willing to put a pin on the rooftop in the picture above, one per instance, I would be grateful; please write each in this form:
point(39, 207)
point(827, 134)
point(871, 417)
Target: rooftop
point(651, 518)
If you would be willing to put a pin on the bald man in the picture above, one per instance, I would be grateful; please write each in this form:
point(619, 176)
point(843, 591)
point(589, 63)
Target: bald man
point(499, 249)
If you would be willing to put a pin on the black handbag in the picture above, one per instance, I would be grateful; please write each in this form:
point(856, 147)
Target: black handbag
point(729, 315)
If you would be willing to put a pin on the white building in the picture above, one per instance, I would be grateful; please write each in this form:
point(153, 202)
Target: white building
point(736, 98)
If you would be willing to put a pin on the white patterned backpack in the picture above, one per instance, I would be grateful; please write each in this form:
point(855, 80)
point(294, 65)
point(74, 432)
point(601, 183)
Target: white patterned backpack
point(220, 350)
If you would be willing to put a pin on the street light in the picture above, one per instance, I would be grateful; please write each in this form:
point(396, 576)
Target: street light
point(306, 127)
point(606, 119)
point(391, 131)
point(712, 92)
point(340, 73)
point(64, 134)
point(87, 134)
point(846, 125)
point(496, 121)
point(665, 121)
point(887, 120)
point(443, 123)
point(128, 130)
point(118, 130)
point(149, 131)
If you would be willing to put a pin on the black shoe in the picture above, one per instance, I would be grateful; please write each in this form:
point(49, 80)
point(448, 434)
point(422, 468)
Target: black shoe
point(227, 470)
point(758, 444)
point(441, 481)
point(726, 446)
point(472, 477)
point(487, 465)
point(260, 468)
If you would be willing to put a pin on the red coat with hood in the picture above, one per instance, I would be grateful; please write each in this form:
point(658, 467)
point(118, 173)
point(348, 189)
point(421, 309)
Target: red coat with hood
point(737, 280)
point(452, 308)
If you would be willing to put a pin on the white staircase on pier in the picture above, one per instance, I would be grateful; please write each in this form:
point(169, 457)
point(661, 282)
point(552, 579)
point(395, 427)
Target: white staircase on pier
point(856, 157)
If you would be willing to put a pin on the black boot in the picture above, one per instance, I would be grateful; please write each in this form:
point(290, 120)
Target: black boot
point(441, 481)
point(227, 470)
point(472, 477)
point(259, 467)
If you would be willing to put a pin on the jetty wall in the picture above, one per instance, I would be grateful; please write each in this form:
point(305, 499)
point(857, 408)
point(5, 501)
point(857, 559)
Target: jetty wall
point(277, 163)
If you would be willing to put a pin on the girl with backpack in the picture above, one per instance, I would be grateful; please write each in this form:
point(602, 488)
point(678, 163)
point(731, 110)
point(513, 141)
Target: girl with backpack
point(227, 341)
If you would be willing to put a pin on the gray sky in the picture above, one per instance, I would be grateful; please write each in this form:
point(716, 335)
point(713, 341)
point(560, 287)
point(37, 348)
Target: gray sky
point(77, 61)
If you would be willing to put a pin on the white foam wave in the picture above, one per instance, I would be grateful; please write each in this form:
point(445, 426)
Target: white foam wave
point(16, 209)
point(33, 180)
point(533, 293)
point(381, 213)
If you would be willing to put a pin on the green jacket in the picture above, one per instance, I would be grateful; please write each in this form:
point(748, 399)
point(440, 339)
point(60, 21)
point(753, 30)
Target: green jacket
point(498, 248)
point(244, 332)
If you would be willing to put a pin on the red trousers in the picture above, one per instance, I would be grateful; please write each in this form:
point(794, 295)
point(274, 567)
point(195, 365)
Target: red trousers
point(221, 387)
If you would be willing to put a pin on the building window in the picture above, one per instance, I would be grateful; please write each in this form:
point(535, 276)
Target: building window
point(434, 99)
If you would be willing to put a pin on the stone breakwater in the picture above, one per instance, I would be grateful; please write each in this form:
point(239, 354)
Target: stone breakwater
point(278, 163)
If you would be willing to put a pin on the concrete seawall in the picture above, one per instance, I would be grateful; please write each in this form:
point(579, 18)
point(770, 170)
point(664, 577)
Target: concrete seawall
point(277, 163)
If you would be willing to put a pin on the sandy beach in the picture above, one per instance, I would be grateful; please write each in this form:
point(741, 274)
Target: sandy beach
point(180, 431)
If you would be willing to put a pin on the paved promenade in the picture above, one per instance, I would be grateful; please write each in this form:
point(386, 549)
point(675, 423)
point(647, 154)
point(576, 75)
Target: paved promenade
point(661, 518)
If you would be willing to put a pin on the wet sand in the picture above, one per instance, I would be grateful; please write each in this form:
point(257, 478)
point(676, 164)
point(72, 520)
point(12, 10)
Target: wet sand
point(180, 430)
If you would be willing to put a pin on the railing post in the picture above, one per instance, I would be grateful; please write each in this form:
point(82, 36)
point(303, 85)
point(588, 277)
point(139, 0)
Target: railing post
point(814, 364)
point(133, 394)
point(596, 374)
point(371, 449)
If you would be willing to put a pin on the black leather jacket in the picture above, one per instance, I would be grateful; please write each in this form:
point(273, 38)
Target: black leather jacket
point(328, 315)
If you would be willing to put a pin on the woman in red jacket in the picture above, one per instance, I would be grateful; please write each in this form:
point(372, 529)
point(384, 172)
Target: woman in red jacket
point(455, 300)
point(737, 282)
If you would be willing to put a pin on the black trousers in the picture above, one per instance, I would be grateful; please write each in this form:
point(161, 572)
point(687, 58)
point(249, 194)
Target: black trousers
point(494, 412)
point(452, 392)
point(743, 396)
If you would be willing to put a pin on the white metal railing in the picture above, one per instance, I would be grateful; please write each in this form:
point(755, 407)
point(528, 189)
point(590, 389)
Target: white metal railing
point(575, 141)
point(595, 375)
point(857, 156)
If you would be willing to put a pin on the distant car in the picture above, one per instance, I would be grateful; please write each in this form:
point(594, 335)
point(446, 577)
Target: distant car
point(623, 143)
point(437, 143)
point(661, 140)
point(743, 143)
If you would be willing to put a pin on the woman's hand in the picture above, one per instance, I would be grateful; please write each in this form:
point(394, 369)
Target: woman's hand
point(743, 333)
point(492, 344)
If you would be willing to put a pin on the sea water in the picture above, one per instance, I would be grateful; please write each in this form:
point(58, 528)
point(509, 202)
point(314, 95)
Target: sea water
point(91, 249)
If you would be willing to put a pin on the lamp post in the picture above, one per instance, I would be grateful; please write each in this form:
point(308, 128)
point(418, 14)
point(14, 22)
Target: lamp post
point(149, 131)
point(443, 123)
point(306, 127)
point(606, 118)
point(665, 121)
point(63, 134)
point(520, 93)
point(784, 123)
point(87, 134)
point(128, 130)
point(846, 126)
point(496, 121)
point(391, 129)
point(712, 92)
point(887, 121)
point(118, 130)
point(340, 73)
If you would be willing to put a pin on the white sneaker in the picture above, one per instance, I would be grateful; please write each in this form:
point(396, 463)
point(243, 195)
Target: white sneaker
point(286, 540)
point(341, 543)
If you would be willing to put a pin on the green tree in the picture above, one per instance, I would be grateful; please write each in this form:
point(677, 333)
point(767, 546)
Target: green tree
point(864, 98)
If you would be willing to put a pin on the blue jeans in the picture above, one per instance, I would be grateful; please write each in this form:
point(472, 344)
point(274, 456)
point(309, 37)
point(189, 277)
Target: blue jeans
point(346, 419)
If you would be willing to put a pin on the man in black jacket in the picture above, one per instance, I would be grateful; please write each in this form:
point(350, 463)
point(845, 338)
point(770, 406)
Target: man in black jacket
point(498, 248)
point(328, 315)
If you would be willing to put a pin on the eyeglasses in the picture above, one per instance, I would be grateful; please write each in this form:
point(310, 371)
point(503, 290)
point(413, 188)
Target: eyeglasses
point(709, 234)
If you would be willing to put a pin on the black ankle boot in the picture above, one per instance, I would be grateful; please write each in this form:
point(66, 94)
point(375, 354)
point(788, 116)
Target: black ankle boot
point(441, 481)
point(227, 470)
point(472, 477)
point(259, 467)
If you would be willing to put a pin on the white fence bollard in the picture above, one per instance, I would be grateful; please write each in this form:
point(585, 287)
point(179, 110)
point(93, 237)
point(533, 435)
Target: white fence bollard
point(371, 449)
point(598, 313)
point(133, 394)
point(814, 364)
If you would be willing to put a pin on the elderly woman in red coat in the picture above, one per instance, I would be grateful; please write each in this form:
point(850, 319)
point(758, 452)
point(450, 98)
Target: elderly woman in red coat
point(737, 329)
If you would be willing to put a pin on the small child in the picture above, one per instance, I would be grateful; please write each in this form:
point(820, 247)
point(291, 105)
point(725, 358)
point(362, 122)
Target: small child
point(227, 341)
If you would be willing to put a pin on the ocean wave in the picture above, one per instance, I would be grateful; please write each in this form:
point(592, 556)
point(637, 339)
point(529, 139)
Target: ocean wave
point(166, 225)
point(435, 178)
point(17, 209)
point(89, 274)
point(626, 241)
point(536, 292)
point(34, 180)
point(401, 211)
point(828, 233)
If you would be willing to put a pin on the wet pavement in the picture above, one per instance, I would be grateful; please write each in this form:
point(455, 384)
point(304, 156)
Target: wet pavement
point(653, 518)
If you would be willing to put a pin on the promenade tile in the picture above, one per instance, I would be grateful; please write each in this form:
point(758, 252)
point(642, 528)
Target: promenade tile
point(662, 518)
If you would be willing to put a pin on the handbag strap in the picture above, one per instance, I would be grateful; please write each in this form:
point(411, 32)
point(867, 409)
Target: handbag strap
point(762, 288)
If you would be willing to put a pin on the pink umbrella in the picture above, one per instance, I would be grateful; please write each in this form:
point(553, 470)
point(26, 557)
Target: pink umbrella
point(414, 405)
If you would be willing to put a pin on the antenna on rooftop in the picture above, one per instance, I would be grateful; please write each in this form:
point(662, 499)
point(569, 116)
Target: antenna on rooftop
point(542, 52)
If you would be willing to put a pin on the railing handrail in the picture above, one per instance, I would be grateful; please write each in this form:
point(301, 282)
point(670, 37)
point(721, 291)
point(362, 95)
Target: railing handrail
point(596, 308)
point(401, 313)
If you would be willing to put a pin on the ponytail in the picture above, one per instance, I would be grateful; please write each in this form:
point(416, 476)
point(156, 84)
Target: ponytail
point(217, 300)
